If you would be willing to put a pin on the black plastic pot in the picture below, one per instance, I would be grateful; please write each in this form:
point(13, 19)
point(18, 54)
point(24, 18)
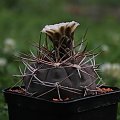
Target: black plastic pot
point(99, 107)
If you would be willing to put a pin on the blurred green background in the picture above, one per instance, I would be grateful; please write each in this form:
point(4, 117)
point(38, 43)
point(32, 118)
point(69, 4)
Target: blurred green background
point(22, 20)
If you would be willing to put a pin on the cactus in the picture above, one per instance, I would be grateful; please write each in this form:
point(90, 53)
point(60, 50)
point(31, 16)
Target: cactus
point(59, 72)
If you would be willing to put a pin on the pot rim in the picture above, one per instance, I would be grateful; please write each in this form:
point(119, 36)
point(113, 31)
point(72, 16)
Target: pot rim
point(115, 90)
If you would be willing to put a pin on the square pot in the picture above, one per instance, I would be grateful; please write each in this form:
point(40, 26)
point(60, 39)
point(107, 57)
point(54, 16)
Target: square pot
point(98, 107)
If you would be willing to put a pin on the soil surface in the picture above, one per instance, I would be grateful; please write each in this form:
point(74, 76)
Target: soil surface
point(22, 91)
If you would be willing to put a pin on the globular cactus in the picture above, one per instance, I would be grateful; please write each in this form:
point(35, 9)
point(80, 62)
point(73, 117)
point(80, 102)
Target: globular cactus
point(60, 72)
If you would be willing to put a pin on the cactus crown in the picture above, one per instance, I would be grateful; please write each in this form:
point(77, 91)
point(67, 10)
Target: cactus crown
point(60, 72)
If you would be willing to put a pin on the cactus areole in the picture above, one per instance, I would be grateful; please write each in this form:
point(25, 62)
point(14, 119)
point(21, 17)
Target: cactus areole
point(58, 72)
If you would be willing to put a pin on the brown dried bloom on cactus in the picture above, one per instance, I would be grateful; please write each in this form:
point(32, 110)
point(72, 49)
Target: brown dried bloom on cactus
point(61, 29)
